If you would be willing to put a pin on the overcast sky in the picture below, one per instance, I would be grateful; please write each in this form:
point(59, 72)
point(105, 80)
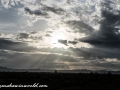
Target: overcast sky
point(60, 34)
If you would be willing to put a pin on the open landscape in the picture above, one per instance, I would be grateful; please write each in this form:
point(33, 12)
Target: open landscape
point(61, 81)
point(60, 44)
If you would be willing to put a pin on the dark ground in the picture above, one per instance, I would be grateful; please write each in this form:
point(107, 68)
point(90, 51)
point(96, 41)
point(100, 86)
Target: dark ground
point(61, 81)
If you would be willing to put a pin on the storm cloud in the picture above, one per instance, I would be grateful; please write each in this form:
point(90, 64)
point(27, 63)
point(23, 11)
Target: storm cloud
point(108, 34)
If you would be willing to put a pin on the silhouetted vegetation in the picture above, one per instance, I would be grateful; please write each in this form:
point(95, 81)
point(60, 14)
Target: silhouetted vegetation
point(62, 81)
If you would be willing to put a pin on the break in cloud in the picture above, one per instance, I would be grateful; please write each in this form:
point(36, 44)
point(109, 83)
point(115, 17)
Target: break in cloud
point(60, 34)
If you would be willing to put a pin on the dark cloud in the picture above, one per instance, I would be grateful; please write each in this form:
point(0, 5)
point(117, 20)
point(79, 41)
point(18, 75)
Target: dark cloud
point(80, 26)
point(28, 10)
point(80, 52)
point(55, 10)
point(44, 9)
point(28, 36)
point(23, 35)
point(108, 65)
point(48, 35)
point(33, 32)
point(68, 1)
point(95, 53)
point(36, 12)
point(36, 37)
point(98, 65)
point(15, 46)
point(63, 41)
point(108, 35)
point(73, 42)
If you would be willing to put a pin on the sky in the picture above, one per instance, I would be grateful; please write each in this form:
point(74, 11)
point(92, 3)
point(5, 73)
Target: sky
point(60, 34)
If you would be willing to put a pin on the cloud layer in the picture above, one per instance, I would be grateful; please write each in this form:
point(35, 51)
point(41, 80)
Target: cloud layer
point(108, 34)
point(32, 30)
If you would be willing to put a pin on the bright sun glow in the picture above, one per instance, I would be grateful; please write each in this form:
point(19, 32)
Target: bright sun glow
point(58, 36)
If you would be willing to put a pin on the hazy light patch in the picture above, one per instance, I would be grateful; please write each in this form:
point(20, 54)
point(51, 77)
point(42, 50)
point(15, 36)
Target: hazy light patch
point(58, 61)
point(31, 53)
point(112, 60)
point(10, 36)
point(58, 35)
point(83, 45)
point(44, 53)
point(39, 40)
